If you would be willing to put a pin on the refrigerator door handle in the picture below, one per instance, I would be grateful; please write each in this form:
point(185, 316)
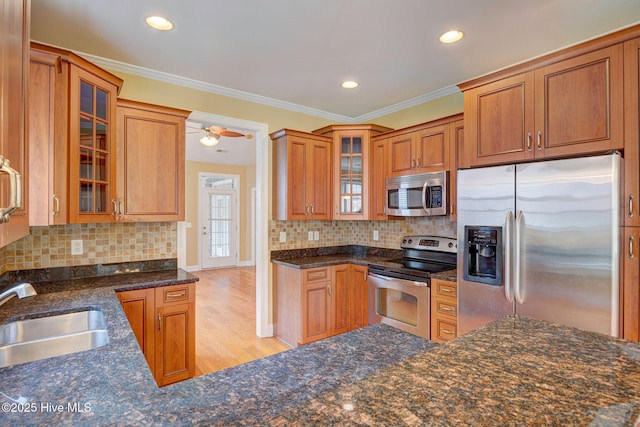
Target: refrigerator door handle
point(508, 285)
point(516, 288)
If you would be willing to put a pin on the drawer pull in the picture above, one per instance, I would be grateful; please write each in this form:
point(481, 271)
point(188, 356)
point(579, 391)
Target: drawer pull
point(182, 294)
point(447, 331)
point(446, 291)
point(443, 308)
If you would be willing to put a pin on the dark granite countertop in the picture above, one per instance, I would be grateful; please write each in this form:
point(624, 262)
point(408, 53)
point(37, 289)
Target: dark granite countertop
point(349, 254)
point(515, 371)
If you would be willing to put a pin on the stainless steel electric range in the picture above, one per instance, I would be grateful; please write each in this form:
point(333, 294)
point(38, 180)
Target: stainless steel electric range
point(399, 292)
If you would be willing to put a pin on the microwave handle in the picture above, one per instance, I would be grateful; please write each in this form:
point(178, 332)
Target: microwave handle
point(425, 189)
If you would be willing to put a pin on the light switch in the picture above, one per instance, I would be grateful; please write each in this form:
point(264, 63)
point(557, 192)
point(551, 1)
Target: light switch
point(316, 235)
point(283, 237)
point(376, 235)
point(311, 235)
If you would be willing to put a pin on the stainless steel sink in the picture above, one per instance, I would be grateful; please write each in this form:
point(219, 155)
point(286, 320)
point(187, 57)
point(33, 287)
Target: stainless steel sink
point(49, 336)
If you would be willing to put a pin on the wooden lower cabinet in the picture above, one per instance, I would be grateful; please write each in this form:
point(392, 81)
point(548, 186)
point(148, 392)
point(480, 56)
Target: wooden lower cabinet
point(313, 304)
point(630, 294)
point(163, 321)
point(444, 310)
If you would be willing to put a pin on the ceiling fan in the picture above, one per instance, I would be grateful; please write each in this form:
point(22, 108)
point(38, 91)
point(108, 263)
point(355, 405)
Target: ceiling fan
point(213, 133)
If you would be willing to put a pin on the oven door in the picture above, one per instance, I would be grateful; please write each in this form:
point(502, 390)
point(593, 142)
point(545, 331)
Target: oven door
point(404, 304)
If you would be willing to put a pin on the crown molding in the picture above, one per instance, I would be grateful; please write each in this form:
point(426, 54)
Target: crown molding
point(449, 90)
point(135, 70)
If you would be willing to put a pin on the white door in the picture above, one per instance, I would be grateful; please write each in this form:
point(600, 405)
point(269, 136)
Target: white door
point(218, 226)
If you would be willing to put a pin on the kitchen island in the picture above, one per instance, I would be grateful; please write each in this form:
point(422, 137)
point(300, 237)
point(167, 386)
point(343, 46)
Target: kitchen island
point(515, 371)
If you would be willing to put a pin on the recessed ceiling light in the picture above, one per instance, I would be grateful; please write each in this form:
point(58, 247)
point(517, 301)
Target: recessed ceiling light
point(159, 23)
point(451, 36)
point(350, 84)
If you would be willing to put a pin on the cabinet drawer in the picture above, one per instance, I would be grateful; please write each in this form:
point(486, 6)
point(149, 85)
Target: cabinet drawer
point(322, 274)
point(445, 289)
point(167, 295)
point(446, 308)
point(443, 330)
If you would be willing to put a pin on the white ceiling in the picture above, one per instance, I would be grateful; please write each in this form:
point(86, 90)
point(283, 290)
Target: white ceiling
point(295, 53)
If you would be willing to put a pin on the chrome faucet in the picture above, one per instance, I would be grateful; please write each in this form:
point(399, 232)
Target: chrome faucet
point(22, 290)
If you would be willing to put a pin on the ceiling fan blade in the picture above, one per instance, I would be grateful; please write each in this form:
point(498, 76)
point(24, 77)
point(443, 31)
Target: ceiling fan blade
point(231, 134)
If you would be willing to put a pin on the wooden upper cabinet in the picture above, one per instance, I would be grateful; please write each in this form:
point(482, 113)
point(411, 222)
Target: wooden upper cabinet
point(561, 108)
point(420, 149)
point(499, 122)
point(72, 120)
point(456, 146)
point(302, 175)
point(631, 199)
point(14, 71)
point(432, 150)
point(150, 162)
point(92, 146)
point(402, 154)
point(579, 104)
point(379, 172)
point(351, 156)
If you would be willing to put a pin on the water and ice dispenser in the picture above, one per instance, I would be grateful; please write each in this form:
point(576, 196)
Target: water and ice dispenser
point(483, 254)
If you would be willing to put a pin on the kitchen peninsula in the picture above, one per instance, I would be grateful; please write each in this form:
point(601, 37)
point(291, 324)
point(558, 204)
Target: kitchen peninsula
point(515, 371)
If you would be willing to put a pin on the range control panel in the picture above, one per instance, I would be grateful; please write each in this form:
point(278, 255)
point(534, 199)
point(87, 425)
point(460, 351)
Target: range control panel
point(430, 243)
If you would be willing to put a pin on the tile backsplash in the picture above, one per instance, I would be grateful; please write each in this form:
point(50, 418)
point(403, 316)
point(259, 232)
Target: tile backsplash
point(335, 233)
point(47, 247)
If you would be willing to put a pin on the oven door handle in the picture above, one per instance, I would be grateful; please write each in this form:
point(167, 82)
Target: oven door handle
point(373, 277)
point(425, 188)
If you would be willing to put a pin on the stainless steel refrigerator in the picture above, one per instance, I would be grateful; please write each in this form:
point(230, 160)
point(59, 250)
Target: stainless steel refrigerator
point(540, 240)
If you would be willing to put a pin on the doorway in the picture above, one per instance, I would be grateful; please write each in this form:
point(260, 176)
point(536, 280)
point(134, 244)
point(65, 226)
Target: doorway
point(261, 236)
point(219, 218)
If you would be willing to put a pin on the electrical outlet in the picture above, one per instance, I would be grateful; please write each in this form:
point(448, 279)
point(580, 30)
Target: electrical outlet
point(376, 235)
point(76, 247)
point(316, 235)
point(283, 237)
point(311, 235)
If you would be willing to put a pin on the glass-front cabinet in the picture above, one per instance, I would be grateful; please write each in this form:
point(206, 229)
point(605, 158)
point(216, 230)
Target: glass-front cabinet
point(351, 152)
point(351, 176)
point(92, 147)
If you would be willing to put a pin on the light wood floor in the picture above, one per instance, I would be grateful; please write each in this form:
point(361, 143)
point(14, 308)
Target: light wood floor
point(226, 320)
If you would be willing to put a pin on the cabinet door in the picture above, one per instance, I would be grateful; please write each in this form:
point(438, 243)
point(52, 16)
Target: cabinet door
point(351, 160)
point(579, 104)
point(631, 199)
point(92, 148)
point(401, 160)
point(318, 180)
point(359, 297)
point(432, 149)
point(298, 187)
point(456, 142)
point(339, 295)
point(14, 63)
point(316, 311)
point(175, 343)
point(499, 121)
point(151, 151)
point(138, 305)
point(630, 301)
point(379, 172)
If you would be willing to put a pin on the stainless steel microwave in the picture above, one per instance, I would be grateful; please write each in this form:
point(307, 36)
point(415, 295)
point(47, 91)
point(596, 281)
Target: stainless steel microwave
point(417, 195)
